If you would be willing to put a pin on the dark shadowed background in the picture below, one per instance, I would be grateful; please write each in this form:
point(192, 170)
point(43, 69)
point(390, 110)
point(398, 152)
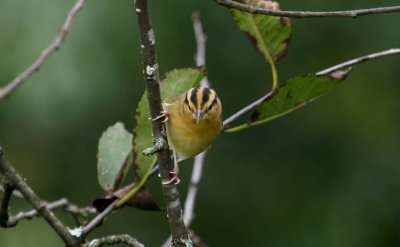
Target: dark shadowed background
point(325, 175)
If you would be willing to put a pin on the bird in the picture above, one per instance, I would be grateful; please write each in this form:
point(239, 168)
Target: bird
point(193, 120)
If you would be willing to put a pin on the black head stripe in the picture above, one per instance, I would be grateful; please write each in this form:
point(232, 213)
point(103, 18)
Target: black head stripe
point(186, 99)
point(193, 95)
point(205, 96)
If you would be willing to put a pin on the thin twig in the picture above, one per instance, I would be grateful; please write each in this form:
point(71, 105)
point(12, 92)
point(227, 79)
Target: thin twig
point(20, 184)
point(15, 193)
point(45, 54)
point(190, 202)
point(61, 203)
point(114, 205)
point(329, 70)
point(358, 60)
point(114, 239)
point(201, 39)
point(199, 159)
point(180, 235)
point(96, 221)
point(308, 14)
point(247, 108)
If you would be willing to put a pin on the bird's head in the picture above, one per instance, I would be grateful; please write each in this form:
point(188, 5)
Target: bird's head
point(202, 103)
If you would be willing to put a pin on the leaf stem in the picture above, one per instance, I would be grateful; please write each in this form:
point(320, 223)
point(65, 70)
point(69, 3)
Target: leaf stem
point(274, 73)
point(267, 54)
point(133, 192)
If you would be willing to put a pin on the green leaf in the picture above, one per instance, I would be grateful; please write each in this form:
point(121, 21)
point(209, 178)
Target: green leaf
point(178, 81)
point(175, 82)
point(115, 147)
point(269, 34)
point(292, 95)
point(295, 93)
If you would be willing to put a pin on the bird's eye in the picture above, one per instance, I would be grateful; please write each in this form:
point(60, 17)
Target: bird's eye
point(209, 108)
point(190, 108)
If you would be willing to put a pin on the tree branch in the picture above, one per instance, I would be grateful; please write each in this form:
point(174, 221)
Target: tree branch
point(247, 108)
point(45, 54)
point(19, 183)
point(359, 60)
point(5, 201)
point(15, 193)
point(114, 239)
point(61, 203)
point(329, 70)
point(180, 235)
point(307, 14)
point(96, 221)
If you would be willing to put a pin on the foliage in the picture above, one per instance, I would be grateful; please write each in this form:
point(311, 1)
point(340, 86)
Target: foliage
point(74, 109)
point(115, 146)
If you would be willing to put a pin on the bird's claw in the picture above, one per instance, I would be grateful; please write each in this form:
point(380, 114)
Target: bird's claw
point(163, 115)
point(174, 179)
point(175, 173)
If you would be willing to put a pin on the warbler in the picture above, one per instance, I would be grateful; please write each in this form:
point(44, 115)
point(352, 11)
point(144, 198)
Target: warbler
point(193, 120)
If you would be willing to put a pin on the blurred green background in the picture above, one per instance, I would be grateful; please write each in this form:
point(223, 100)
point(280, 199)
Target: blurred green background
point(325, 175)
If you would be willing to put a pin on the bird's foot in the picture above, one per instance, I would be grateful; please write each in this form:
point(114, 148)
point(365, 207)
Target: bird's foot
point(173, 180)
point(174, 173)
point(164, 115)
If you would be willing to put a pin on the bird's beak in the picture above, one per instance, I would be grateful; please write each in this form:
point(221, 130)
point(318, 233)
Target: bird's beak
point(199, 115)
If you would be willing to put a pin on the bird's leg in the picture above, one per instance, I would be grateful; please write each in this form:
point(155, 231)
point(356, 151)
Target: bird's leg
point(163, 115)
point(175, 172)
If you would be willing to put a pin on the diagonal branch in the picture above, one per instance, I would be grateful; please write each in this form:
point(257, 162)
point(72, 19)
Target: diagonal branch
point(96, 221)
point(358, 60)
point(307, 14)
point(20, 184)
point(180, 235)
point(45, 54)
point(247, 108)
